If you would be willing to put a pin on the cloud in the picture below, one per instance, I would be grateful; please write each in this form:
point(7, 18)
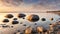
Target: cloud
point(11, 2)
point(48, 5)
point(25, 6)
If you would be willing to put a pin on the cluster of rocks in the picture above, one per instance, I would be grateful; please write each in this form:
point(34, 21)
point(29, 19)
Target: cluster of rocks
point(53, 29)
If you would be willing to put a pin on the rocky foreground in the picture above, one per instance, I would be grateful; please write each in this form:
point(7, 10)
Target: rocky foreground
point(54, 29)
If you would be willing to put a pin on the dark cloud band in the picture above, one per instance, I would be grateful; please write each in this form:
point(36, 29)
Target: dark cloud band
point(12, 2)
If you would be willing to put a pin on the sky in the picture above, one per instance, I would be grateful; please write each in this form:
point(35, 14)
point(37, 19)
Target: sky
point(29, 5)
